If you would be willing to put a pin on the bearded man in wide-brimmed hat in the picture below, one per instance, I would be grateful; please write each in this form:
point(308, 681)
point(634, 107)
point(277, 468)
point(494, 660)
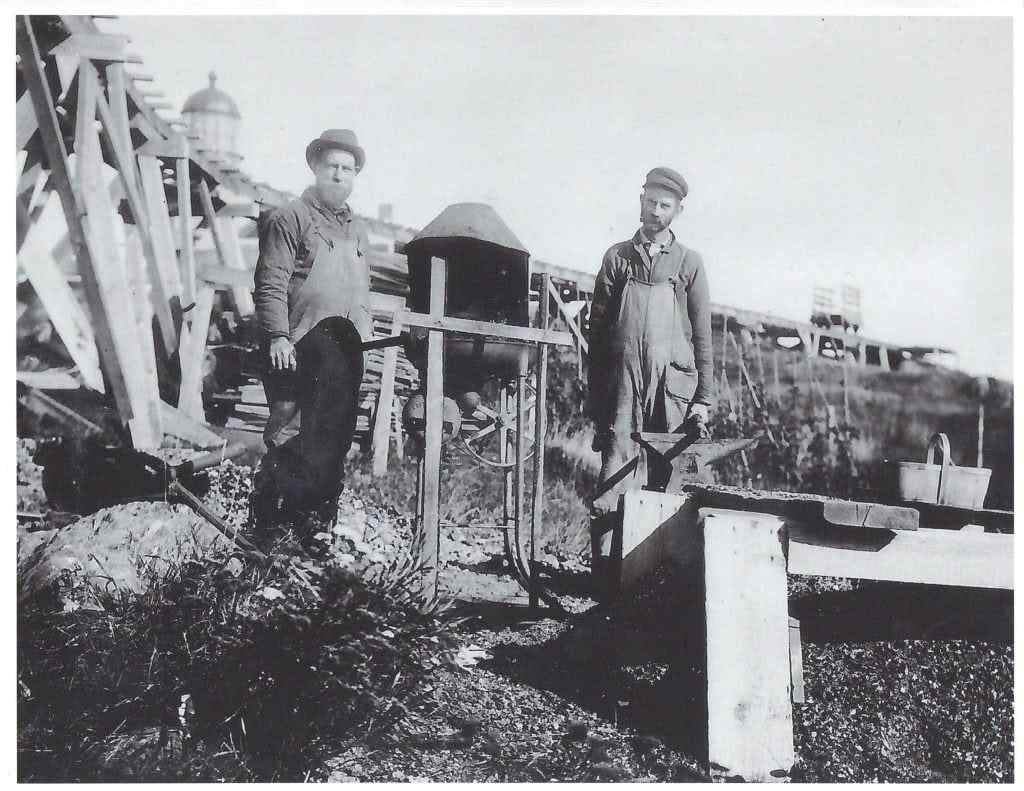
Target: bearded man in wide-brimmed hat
point(313, 311)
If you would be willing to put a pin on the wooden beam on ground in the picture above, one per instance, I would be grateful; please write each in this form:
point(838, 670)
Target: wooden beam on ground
point(430, 527)
point(925, 556)
point(385, 404)
point(51, 285)
point(485, 328)
point(750, 721)
point(809, 508)
point(183, 427)
point(57, 157)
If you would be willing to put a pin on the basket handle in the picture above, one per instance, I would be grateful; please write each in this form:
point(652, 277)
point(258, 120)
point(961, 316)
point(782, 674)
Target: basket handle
point(940, 441)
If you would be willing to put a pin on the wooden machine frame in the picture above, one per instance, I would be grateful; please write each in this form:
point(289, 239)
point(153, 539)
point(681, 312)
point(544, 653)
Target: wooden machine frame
point(429, 490)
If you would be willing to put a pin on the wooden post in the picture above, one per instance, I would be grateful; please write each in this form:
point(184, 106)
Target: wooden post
point(775, 373)
point(520, 476)
point(135, 266)
point(796, 661)
point(434, 418)
point(187, 259)
point(540, 429)
point(981, 433)
point(883, 358)
point(385, 404)
point(846, 392)
point(190, 394)
point(161, 239)
point(74, 211)
point(750, 721)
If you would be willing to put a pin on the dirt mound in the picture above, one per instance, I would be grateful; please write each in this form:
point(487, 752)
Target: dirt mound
point(121, 548)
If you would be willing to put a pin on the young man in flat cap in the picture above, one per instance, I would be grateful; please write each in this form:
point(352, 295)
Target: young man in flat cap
point(650, 335)
point(312, 299)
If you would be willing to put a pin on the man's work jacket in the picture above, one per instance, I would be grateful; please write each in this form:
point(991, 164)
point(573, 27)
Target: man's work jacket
point(676, 263)
point(312, 265)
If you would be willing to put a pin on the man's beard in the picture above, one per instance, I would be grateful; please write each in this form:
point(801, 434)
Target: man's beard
point(334, 195)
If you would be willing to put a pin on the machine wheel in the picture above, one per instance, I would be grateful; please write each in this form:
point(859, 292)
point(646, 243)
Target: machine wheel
point(489, 434)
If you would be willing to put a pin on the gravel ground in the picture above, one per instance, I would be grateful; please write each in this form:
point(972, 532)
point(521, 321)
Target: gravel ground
point(602, 695)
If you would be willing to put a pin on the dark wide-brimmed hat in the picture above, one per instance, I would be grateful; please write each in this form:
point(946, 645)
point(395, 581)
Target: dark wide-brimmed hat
point(345, 139)
point(669, 179)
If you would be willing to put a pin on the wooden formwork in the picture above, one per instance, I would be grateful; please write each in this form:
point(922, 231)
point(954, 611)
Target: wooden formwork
point(753, 649)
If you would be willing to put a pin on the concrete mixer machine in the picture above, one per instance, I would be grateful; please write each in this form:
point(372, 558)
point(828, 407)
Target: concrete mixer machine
point(480, 345)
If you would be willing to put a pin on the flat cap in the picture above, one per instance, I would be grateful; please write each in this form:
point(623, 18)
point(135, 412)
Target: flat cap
point(667, 178)
point(345, 139)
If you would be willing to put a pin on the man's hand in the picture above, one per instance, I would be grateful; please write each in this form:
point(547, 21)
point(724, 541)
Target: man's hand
point(697, 417)
point(282, 354)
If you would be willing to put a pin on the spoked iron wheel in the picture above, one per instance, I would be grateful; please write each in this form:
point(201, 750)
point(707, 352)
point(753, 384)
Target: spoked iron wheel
point(489, 434)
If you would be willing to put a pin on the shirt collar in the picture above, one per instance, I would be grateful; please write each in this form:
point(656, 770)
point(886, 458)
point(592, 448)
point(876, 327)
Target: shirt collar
point(640, 239)
point(312, 197)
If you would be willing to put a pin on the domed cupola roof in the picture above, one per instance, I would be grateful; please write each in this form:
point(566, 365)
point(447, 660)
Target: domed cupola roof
point(211, 100)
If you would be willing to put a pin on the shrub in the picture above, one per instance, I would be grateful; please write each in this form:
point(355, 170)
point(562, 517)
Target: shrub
point(244, 669)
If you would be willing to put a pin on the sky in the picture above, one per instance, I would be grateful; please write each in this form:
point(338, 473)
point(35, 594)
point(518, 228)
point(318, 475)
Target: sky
point(869, 150)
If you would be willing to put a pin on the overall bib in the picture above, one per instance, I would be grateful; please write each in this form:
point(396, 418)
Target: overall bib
point(651, 373)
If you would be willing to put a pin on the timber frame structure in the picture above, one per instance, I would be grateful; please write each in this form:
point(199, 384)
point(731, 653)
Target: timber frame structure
point(107, 198)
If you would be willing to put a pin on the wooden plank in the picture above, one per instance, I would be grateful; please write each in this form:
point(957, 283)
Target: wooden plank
point(162, 235)
point(385, 407)
point(43, 405)
point(810, 508)
point(57, 157)
point(485, 328)
point(656, 528)
point(434, 417)
point(225, 277)
point(148, 410)
point(127, 167)
point(25, 121)
point(95, 46)
point(796, 661)
point(187, 258)
point(179, 425)
point(245, 304)
point(925, 556)
point(553, 291)
point(62, 307)
point(750, 725)
point(51, 379)
point(190, 398)
point(117, 101)
point(116, 285)
point(229, 254)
